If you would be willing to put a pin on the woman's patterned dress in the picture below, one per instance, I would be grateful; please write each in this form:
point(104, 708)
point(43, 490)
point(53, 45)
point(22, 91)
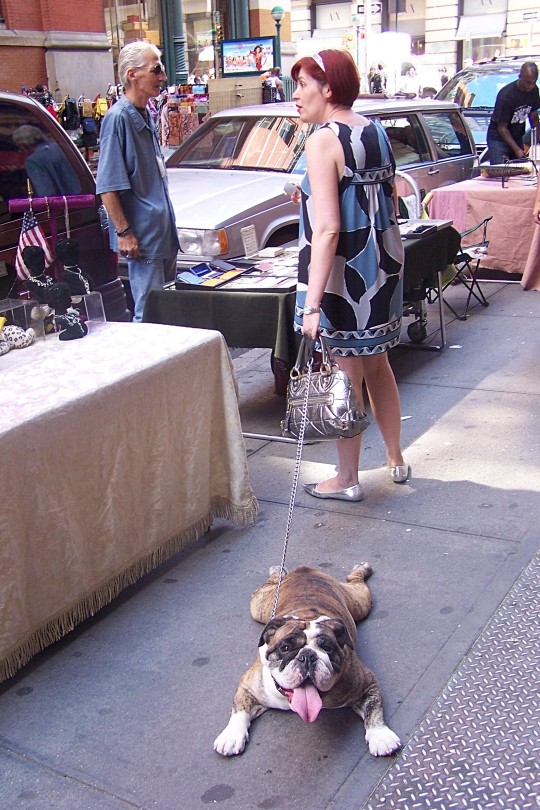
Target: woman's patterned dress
point(362, 306)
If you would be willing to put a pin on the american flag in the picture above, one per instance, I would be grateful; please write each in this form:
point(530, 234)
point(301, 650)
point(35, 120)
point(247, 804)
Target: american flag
point(31, 234)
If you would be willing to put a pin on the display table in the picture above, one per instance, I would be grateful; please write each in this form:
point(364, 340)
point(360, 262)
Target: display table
point(510, 232)
point(248, 320)
point(118, 450)
point(265, 319)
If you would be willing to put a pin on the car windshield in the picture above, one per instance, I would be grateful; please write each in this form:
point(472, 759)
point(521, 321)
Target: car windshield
point(268, 143)
point(474, 90)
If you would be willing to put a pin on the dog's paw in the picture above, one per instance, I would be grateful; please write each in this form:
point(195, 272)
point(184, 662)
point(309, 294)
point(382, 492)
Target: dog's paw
point(234, 736)
point(382, 741)
point(364, 568)
point(228, 745)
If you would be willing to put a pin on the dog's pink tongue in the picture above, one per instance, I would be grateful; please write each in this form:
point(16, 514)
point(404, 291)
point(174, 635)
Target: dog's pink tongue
point(306, 702)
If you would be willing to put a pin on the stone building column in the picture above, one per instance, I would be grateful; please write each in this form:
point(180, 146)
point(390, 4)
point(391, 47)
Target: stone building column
point(441, 24)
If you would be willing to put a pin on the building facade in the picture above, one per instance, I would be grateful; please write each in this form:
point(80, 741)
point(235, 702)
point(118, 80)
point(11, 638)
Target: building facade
point(441, 32)
point(72, 45)
point(60, 43)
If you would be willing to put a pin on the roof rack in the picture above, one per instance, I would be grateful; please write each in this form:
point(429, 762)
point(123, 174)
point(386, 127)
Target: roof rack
point(515, 58)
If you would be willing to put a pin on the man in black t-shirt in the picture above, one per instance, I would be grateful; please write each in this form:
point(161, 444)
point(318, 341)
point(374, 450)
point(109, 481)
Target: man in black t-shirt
point(515, 103)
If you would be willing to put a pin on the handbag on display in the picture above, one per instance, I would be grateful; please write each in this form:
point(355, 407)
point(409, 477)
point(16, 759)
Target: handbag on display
point(326, 398)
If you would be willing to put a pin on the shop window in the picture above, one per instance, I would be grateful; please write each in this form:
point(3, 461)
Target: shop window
point(482, 50)
point(126, 21)
point(418, 45)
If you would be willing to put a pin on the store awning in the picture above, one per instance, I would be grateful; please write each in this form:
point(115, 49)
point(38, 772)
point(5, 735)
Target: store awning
point(481, 26)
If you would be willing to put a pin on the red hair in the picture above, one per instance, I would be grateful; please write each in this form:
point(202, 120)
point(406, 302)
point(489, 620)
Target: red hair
point(340, 74)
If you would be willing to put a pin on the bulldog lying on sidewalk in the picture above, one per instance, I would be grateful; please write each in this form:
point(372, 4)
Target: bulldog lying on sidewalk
point(307, 657)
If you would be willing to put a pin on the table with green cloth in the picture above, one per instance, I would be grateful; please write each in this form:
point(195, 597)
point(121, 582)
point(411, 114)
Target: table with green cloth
point(265, 319)
point(251, 320)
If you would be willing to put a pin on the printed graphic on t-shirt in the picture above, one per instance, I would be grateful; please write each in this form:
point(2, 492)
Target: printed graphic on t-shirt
point(521, 114)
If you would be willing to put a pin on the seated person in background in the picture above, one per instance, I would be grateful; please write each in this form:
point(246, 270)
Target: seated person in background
point(515, 103)
point(48, 169)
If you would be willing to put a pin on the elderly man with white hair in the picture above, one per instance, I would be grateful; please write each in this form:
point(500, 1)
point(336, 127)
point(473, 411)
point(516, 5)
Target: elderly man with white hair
point(131, 176)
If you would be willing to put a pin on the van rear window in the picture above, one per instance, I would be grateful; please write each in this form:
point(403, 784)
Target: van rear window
point(29, 152)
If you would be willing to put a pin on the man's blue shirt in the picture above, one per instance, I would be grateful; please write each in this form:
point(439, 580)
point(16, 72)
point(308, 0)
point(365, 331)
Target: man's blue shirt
point(131, 163)
point(50, 173)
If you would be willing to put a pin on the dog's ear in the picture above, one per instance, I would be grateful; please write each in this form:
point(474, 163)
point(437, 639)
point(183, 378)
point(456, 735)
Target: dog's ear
point(341, 633)
point(270, 629)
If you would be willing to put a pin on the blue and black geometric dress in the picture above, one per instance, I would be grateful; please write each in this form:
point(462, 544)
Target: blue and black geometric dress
point(362, 306)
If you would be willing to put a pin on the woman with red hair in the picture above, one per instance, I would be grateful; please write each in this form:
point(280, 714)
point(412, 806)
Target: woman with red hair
point(350, 272)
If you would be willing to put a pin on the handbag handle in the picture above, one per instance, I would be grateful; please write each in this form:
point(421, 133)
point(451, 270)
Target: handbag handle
point(305, 357)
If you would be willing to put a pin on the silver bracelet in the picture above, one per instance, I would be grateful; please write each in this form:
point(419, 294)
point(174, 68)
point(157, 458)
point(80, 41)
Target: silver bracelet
point(310, 310)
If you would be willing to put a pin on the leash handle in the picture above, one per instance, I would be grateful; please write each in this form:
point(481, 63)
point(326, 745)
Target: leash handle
point(296, 476)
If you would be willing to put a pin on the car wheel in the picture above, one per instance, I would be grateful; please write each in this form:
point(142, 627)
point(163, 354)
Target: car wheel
point(281, 237)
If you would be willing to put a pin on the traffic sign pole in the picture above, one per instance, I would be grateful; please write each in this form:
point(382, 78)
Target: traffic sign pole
point(367, 43)
point(362, 14)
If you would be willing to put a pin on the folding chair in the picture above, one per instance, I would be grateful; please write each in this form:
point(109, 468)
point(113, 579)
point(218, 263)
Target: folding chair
point(467, 262)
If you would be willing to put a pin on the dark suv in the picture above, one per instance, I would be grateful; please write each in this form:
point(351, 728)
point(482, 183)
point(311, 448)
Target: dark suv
point(23, 120)
point(475, 89)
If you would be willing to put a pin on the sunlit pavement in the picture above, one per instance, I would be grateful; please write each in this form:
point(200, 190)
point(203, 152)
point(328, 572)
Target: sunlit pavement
point(123, 712)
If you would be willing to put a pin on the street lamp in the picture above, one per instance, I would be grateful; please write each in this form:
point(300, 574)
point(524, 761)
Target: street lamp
point(277, 15)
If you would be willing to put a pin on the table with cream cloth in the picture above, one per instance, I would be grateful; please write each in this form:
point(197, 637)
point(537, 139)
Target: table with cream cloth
point(117, 450)
point(514, 238)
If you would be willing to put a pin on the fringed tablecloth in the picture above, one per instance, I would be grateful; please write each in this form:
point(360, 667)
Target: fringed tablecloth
point(117, 450)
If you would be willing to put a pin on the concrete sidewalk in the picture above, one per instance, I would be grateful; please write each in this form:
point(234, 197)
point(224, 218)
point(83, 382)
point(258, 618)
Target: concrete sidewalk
point(123, 712)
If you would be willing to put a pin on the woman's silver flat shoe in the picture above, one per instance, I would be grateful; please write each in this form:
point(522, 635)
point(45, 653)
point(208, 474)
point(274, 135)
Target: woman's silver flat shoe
point(354, 493)
point(400, 474)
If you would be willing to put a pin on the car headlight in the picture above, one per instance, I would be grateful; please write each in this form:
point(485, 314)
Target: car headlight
point(203, 243)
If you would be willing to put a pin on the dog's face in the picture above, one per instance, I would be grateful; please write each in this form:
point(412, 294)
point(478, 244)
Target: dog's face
point(304, 658)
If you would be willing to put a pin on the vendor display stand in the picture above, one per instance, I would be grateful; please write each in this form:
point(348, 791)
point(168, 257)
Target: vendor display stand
point(183, 113)
point(468, 202)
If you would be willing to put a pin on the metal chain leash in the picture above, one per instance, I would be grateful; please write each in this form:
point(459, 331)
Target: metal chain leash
point(296, 476)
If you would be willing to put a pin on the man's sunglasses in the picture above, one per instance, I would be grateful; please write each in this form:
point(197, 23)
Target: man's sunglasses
point(157, 69)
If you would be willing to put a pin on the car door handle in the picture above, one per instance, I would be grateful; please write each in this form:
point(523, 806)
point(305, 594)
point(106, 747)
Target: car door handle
point(433, 171)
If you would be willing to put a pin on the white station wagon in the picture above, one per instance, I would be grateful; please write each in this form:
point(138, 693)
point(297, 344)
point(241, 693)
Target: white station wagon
point(230, 173)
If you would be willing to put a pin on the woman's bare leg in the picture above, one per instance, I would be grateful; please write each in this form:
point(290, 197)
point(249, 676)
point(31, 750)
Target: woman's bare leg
point(348, 450)
point(383, 394)
point(385, 406)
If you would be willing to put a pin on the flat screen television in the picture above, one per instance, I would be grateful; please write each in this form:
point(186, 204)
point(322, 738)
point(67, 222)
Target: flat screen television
point(247, 57)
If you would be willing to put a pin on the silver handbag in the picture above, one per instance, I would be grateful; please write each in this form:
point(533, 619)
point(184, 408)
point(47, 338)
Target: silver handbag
point(333, 410)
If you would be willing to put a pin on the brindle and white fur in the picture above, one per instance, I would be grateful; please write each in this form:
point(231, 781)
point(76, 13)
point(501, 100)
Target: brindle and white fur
point(309, 647)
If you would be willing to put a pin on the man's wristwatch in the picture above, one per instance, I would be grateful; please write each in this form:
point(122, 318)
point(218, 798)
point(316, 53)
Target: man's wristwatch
point(123, 233)
point(310, 310)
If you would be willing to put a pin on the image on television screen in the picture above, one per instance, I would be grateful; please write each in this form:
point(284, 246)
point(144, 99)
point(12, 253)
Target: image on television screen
point(247, 57)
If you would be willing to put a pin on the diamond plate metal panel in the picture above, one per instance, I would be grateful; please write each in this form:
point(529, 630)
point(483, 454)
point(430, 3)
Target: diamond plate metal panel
point(479, 746)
